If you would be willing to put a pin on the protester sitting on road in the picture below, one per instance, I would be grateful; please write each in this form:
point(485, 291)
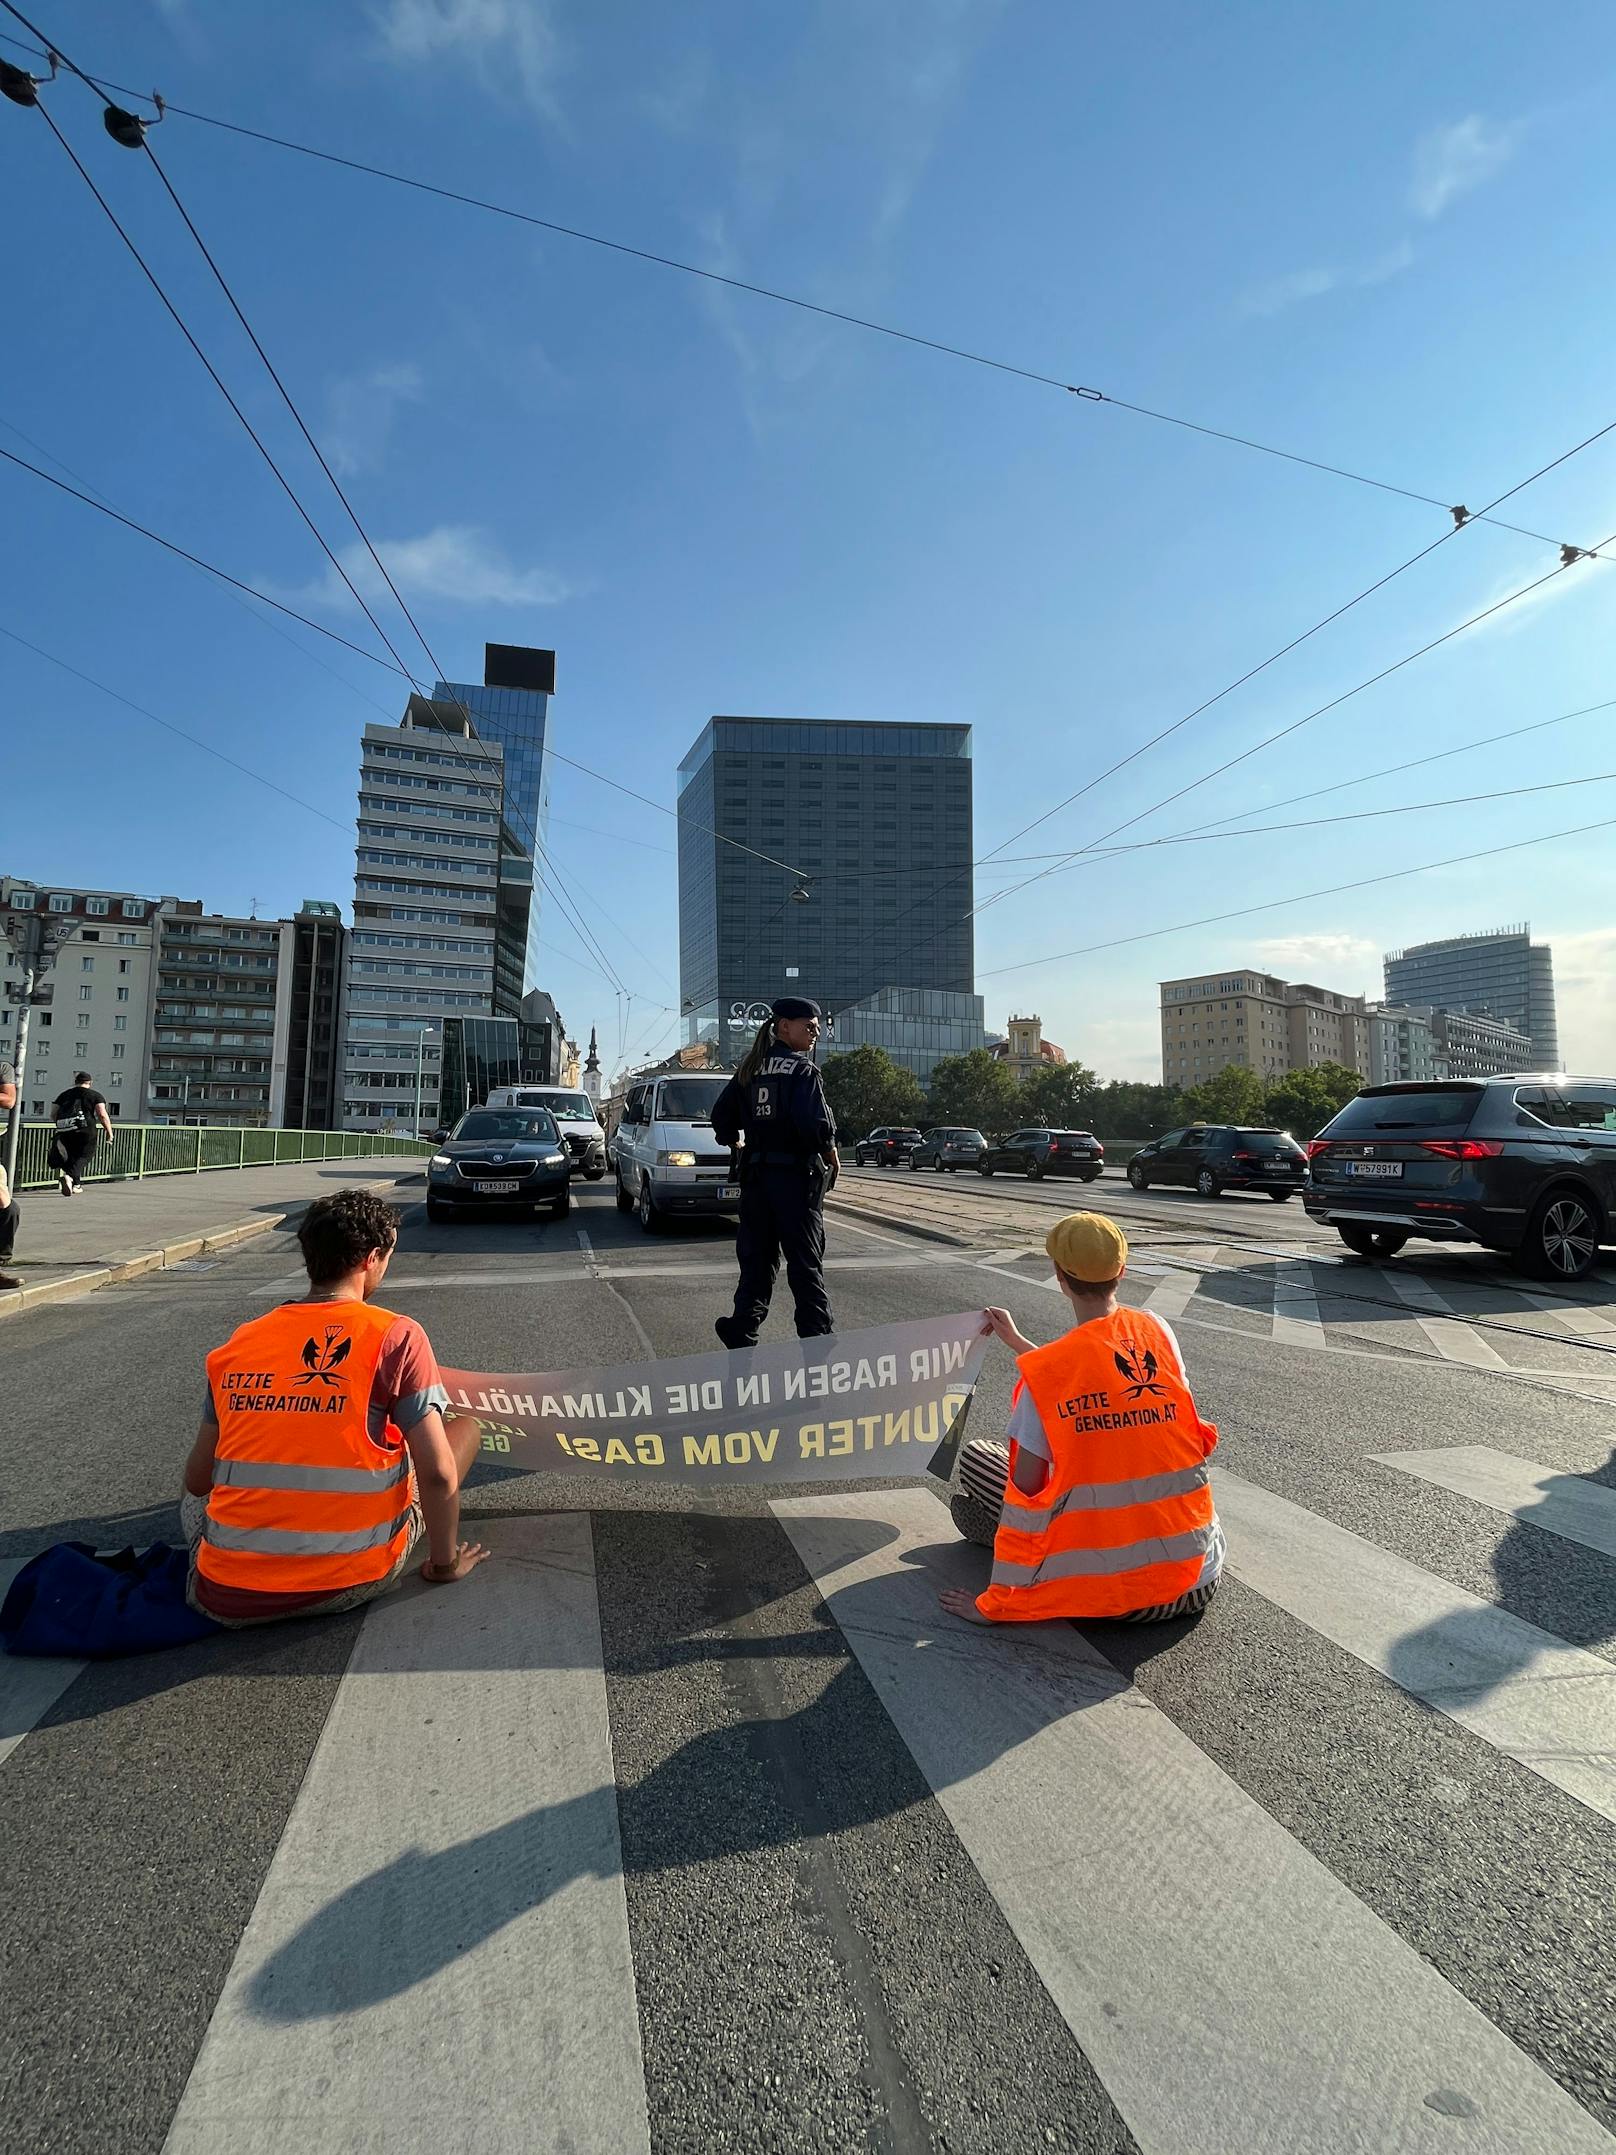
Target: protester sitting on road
point(325, 1453)
point(81, 1116)
point(1103, 1507)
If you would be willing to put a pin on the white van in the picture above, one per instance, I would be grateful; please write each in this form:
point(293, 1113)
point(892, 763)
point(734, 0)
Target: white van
point(575, 1119)
point(666, 1156)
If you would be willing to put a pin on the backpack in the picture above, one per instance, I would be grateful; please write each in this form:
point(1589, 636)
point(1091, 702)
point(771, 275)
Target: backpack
point(68, 1600)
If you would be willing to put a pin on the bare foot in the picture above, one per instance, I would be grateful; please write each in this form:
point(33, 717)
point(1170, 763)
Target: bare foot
point(958, 1602)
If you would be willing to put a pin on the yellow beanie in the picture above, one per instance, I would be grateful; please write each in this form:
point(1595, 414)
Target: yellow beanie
point(1088, 1247)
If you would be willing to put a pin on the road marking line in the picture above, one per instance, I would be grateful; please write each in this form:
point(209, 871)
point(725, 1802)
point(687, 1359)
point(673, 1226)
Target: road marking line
point(1452, 1338)
point(1297, 1322)
point(29, 1688)
point(1563, 1504)
point(439, 1955)
point(1540, 1701)
point(1109, 1839)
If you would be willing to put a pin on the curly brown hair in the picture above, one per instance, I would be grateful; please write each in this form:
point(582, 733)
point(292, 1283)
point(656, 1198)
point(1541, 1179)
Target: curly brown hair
point(338, 1233)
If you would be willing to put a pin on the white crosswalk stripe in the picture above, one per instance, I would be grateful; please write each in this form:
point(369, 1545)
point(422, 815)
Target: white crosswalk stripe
point(1548, 1705)
point(1051, 1768)
point(1297, 1322)
point(1565, 1504)
point(439, 1957)
point(28, 1689)
point(1452, 1338)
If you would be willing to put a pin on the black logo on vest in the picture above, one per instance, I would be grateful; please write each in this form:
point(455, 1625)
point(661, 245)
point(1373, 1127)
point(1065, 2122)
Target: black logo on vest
point(322, 1361)
point(1139, 1369)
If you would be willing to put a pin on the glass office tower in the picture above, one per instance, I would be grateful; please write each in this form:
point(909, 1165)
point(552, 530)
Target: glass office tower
point(829, 858)
point(510, 709)
point(1500, 972)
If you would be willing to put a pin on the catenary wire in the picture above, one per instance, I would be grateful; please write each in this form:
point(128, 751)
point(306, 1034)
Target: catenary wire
point(1307, 719)
point(777, 297)
point(1272, 905)
point(1339, 785)
point(99, 499)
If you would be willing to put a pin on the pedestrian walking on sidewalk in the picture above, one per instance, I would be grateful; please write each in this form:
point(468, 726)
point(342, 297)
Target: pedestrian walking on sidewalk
point(776, 1100)
point(9, 1215)
point(81, 1115)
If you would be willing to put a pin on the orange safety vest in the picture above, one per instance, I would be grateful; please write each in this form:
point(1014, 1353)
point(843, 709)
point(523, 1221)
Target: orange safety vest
point(304, 1500)
point(1125, 1518)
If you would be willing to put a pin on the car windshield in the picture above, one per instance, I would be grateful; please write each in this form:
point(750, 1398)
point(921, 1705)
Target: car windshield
point(690, 1099)
point(570, 1106)
point(485, 1124)
point(1414, 1107)
point(1265, 1143)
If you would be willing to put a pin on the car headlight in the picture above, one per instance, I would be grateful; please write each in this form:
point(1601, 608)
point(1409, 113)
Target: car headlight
point(676, 1159)
point(554, 1159)
point(441, 1159)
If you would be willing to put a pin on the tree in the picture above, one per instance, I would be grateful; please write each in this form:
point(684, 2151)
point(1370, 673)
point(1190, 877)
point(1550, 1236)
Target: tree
point(1059, 1095)
point(866, 1088)
point(1125, 1108)
point(976, 1091)
point(1236, 1094)
point(1304, 1102)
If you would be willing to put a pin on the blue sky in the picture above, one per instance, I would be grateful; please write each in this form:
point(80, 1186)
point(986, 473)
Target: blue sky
point(1378, 236)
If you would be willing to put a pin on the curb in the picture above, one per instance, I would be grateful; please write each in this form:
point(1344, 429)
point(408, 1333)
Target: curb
point(903, 1227)
point(130, 1264)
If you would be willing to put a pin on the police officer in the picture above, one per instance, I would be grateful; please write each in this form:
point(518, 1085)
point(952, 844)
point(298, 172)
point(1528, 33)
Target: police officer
point(777, 1100)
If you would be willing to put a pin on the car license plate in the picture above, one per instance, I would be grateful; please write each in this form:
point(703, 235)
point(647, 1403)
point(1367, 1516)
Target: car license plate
point(1385, 1169)
point(498, 1189)
point(1277, 1167)
point(730, 1190)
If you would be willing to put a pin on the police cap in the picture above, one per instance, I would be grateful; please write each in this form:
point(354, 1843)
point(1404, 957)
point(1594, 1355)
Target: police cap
point(795, 1006)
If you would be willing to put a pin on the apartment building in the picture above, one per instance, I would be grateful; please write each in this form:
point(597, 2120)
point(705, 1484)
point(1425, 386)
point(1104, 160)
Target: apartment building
point(98, 992)
point(213, 1019)
point(1402, 1045)
point(306, 1061)
point(1260, 1023)
point(1468, 1044)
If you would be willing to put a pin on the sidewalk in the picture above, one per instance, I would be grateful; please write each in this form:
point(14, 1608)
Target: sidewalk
point(70, 1246)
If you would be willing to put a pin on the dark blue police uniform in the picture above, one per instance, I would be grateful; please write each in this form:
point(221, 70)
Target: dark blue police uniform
point(788, 1126)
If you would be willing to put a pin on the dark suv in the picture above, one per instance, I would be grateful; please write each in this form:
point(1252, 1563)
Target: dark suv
point(1213, 1157)
point(888, 1147)
point(1525, 1164)
point(1037, 1153)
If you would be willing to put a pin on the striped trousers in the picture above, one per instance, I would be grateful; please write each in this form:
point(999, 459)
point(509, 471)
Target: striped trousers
point(978, 1498)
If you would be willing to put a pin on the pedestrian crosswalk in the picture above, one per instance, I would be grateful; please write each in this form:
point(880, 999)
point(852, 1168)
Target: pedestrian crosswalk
point(442, 1951)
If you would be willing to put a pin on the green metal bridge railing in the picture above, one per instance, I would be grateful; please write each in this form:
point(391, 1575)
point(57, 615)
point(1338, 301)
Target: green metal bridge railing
point(150, 1148)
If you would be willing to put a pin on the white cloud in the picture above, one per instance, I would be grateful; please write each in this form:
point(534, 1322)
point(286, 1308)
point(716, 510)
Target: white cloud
point(1349, 963)
point(1584, 967)
point(1304, 284)
point(504, 43)
point(360, 410)
point(456, 563)
point(1450, 161)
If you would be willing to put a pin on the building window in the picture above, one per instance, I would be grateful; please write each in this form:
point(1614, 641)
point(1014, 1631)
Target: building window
point(120, 1025)
point(98, 907)
point(117, 1051)
point(85, 994)
point(133, 909)
point(84, 1021)
point(125, 937)
point(61, 902)
point(123, 995)
point(23, 901)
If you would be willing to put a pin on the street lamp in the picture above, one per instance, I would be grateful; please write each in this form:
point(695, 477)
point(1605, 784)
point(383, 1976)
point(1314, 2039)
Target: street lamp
point(420, 1056)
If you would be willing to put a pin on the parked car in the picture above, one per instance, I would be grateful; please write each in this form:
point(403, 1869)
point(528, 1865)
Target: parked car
point(887, 1147)
point(1037, 1153)
point(666, 1157)
point(1520, 1163)
point(949, 1149)
point(1213, 1157)
point(574, 1111)
point(500, 1157)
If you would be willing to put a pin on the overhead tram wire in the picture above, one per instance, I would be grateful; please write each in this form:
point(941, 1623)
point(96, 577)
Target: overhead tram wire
point(1307, 719)
point(1273, 905)
point(373, 658)
point(777, 297)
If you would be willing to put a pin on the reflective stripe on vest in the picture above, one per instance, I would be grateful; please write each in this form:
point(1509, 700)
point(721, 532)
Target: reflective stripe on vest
point(287, 1474)
point(1124, 1519)
point(291, 1541)
point(1112, 1496)
point(305, 1498)
point(1101, 1563)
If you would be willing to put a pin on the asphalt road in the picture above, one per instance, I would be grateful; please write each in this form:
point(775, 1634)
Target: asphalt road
point(664, 1830)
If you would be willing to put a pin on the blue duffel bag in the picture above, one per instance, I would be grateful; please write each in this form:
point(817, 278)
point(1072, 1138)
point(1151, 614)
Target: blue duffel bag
point(68, 1600)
